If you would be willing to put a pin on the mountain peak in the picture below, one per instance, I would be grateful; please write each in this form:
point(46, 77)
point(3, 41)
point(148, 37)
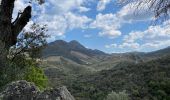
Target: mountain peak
point(66, 49)
point(74, 41)
point(76, 45)
point(60, 42)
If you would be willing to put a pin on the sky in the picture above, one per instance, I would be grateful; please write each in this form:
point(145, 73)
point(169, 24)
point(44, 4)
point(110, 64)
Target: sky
point(100, 24)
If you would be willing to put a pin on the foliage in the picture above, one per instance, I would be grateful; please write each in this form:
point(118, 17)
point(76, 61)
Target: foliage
point(160, 89)
point(24, 70)
point(143, 81)
point(117, 96)
point(20, 62)
point(36, 75)
point(30, 42)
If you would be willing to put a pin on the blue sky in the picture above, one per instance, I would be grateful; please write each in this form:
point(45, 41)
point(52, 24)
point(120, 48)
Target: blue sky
point(100, 24)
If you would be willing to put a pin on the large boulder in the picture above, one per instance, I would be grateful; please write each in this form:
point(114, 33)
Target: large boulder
point(55, 94)
point(23, 90)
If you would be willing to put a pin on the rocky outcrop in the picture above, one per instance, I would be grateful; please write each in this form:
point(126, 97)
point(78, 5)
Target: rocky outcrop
point(55, 94)
point(23, 90)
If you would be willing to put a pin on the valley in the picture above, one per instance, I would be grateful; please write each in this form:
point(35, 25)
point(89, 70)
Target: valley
point(92, 74)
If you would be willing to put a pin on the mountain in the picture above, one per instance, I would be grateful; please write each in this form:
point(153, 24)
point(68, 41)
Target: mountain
point(159, 53)
point(72, 50)
point(75, 53)
point(92, 74)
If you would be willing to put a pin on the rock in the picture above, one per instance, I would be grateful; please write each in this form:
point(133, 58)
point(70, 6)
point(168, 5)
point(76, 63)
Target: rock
point(20, 90)
point(23, 90)
point(55, 94)
point(65, 94)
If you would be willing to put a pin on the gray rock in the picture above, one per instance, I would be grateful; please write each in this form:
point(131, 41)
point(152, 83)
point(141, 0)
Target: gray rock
point(55, 94)
point(23, 90)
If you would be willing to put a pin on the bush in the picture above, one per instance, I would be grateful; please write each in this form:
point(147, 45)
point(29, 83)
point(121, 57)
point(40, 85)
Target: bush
point(117, 96)
point(36, 75)
point(24, 69)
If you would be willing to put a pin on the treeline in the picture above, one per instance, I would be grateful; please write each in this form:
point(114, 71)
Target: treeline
point(144, 81)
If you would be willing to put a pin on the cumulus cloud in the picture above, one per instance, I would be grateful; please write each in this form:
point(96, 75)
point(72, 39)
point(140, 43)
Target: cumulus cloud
point(153, 38)
point(84, 9)
point(153, 33)
point(60, 18)
point(64, 6)
point(108, 24)
point(58, 15)
point(60, 24)
point(66, 15)
point(102, 4)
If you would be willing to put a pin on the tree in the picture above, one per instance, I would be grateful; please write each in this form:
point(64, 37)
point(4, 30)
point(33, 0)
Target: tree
point(9, 30)
point(30, 42)
point(160, 7)
point(24, 63)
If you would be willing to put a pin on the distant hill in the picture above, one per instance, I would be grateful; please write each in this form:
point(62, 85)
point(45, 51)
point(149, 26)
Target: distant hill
point(96, 59)
point(92, 74)
point(159, 53)
point(72, 50)
point(145, 81)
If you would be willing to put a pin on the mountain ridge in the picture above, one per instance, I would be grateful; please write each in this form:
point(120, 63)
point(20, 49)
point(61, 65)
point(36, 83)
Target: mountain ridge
point(78, 53)
point(72, 50)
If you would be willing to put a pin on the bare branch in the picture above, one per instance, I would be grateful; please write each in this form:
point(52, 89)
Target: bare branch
point(160, 7)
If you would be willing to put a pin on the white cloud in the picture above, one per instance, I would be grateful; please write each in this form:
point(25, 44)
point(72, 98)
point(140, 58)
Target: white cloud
point(84, 9)
point(108, 24)
point(64, 6)
point(60, 24)
point(59, 15)
point(60, 18)
point(102, 4)
point(129, 45)
point(153, 33)
point(87, 35)
point(76, 21)
point(153, 38)
point(111, 46)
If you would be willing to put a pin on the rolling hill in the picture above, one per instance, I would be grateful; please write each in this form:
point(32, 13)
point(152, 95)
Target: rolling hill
point(92, 74)
point(144, 81)
point(75, 54)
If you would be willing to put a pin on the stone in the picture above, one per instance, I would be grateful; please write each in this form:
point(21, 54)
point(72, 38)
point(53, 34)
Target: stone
point(23, 90)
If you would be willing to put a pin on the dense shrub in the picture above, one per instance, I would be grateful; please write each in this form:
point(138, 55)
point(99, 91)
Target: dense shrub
point(117, 96)
point(36, 75)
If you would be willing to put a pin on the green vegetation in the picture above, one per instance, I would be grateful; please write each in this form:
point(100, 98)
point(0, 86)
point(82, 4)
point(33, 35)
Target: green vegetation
point(20, 62)
point(117, 96)
point(143, 81)
point(148, 80)
point(36, 75)
point(25, 70)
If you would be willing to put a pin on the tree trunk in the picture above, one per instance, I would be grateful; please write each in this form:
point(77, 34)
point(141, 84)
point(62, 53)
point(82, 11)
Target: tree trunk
point(9, 30)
